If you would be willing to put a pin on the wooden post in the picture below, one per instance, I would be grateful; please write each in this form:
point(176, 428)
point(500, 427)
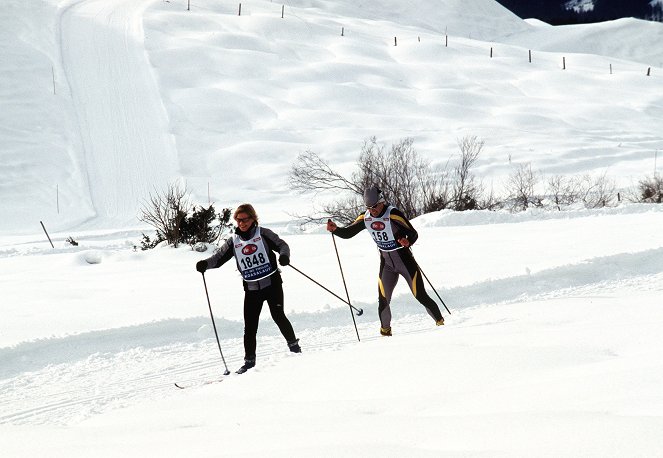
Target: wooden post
point(419, 39)
point(491, 52)
point(342, 31)
point(563, 63)
point(282, 10)
point(649, 71)
point(395, 42)
point(188, 5)
point(611, 69)
point(530, 56)
point(446, 41)
point(240, 10)
point(48, 236)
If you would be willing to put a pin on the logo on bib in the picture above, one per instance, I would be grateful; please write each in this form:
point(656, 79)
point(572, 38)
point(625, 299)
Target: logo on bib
point(249, 249)
point(377, 226)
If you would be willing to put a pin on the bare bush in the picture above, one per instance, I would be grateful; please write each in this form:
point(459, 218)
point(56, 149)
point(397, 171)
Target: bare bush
point(466, 190)
point(406, 179)
point(563, 190)
point(650, 190)
point(165, 211)
point(598, 192)
point(521, 187)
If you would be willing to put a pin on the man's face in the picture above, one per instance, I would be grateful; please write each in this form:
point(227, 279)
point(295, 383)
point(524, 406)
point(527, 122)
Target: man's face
point(376, 209)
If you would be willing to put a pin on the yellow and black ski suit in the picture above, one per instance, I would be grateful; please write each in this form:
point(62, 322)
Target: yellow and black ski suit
point(394, 263)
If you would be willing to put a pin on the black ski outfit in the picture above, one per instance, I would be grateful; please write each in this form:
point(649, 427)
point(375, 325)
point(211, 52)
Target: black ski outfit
point(395, 260)
point(267, 287)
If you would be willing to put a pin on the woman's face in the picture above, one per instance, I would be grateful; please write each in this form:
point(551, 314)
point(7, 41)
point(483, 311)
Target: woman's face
point(244, 221)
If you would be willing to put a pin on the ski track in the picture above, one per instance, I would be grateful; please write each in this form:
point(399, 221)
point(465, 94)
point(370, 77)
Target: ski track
point(121, 117)
point(131, 365)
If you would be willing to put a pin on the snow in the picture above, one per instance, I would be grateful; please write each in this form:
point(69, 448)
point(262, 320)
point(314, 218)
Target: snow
point(553, 346)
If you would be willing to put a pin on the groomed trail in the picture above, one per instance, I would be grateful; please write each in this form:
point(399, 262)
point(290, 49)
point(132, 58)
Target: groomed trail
point(58, 382)
point(121, 119)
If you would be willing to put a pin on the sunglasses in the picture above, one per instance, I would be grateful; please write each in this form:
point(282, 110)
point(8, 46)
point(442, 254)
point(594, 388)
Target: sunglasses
point(243, 220)
point(373, 207)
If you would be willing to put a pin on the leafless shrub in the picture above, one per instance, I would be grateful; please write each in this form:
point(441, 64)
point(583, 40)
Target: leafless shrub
point(598, 192)
point(521, 186)
point(563, 190)
point(650, 190)
point(466, 190)
point(406, 179)
point(165, 211)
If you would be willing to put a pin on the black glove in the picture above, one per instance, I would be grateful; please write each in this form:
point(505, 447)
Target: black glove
point(201, 266)
point(284, 260)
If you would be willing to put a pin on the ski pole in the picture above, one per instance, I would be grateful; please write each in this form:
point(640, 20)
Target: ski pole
point(209, 304)
point(431, 285)
point(359, 311)
point(345, 286)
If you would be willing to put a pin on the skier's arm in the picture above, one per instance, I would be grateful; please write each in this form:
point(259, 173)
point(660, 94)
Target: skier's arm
point(349, 231)
point(402, 228)
point(224, 254)
point(274, 242)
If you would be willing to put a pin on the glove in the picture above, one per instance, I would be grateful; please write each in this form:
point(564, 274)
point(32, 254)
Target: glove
point(201, 266)
point(284, 260)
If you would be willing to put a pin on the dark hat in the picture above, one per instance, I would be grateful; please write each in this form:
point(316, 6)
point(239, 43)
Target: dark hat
point(372, 196)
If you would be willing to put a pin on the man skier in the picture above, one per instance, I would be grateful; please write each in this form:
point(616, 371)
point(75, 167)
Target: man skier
point(253, 248)
point(393, 234)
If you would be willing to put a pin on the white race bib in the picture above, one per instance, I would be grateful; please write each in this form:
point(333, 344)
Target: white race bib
point(381, 231)
point(252, 259)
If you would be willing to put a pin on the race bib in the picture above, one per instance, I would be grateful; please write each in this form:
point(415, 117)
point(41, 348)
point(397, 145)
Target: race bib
point(381, 230)
point(252, 259)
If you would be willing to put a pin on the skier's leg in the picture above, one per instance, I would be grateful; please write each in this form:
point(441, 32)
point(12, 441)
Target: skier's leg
point(275, 302)
point(252, 307)
point(415, 280)
point(386, 283)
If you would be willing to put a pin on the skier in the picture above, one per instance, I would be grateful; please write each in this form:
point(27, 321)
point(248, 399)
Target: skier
point(253, 248)
point(393, 234)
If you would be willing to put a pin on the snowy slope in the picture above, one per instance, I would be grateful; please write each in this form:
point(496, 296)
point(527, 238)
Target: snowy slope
point(553, 346)
point(215, 86)
point(127, 149)
point(625, 39)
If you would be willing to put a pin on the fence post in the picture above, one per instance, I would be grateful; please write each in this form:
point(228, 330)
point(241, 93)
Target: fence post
point(395, 42)
point(240, 10)
point(530, 56)
point(491, 52)
point(446, 41)
point(649, 71)
point(563, 63)
point(611, 69)
point(342, 31)
point(282, 10)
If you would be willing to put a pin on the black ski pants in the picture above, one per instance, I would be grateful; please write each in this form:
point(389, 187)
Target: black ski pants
point(253, 301)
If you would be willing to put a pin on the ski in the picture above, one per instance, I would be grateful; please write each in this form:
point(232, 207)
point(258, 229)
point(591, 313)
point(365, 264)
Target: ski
point(184, 385)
